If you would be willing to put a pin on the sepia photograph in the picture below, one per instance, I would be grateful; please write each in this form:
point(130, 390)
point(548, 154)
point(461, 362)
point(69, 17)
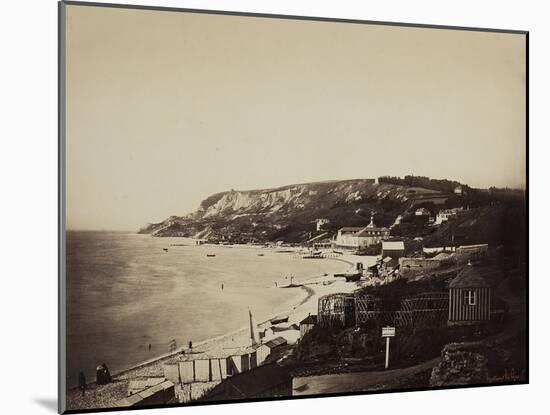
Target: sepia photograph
point(261, 207)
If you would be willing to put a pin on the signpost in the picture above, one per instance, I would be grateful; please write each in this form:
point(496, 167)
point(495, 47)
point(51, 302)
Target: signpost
point(388, 332)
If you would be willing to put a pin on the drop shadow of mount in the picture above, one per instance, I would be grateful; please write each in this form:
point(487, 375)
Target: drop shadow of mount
point(48, 403)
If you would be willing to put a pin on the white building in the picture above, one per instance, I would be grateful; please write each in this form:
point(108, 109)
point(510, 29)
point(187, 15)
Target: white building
point(360, 237)
point(445, 214)
point(319, 223)
point(422, 212)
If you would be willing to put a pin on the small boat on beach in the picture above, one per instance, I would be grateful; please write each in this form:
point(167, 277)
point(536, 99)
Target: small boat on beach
point(351, 277)
point(260, 254)
point(353, 274)
point(210, 255)
point(165, 249)
point(313, 255)
point(277, 320)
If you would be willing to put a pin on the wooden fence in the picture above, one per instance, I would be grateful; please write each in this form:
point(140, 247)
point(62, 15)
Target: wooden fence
point(428, 309)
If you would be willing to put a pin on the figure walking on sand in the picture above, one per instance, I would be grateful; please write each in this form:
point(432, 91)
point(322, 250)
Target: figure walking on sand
point(222, 286)
point(106, 374)
point(82, 383)
point(99, 378)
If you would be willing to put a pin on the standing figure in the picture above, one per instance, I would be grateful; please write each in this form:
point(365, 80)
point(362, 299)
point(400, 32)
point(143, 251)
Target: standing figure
point(82, 383)
point(99, 375)
point(106, 374)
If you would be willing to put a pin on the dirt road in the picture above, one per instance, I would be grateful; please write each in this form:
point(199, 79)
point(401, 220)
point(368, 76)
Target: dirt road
point(353, 382)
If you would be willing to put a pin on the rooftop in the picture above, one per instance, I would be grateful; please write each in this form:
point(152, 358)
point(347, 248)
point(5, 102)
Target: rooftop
point(251, 383)
point(277, 341)
point(371, 229)
point(393, 245)
point(351, 229)
point(471, 276)
point(311, 319)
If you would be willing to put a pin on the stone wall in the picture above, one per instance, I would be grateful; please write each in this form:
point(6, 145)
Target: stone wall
point(411, 267)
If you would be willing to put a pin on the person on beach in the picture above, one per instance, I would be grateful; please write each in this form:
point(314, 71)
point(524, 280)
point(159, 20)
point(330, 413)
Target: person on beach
point(82, 383)
point(149, 346)
point(106, 374)
point(190, 345)
point(99, 376)
point(222, 286)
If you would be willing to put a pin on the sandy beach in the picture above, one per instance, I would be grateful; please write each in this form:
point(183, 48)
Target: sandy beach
point(312, 289)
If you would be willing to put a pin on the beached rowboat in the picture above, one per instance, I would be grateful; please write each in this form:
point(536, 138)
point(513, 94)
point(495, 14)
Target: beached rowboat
point(277, 320)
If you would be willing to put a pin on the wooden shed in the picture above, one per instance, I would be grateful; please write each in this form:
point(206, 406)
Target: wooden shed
point(307, 324)
point(469, 297)
point(265, 349)
point(394, 249)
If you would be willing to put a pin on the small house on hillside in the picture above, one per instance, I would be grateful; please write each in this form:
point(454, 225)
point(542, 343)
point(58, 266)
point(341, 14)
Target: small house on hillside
point(265, 349)
point(320, 224)
point(422, 212)
point(469, 297)
point(445, 214)
point(394, 249)
point(307, 324)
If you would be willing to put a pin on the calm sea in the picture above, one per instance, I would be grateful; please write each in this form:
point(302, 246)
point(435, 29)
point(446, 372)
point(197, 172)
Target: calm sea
point(125, 292)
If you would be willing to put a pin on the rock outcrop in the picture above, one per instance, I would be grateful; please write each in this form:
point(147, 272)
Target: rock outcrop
point(462, 364)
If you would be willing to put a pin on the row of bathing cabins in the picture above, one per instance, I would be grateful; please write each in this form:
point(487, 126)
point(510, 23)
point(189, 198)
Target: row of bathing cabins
point(245, 372)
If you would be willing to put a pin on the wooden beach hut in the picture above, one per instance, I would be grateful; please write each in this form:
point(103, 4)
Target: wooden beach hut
point(469, 297)
point(200, 369)
point(265, 349)
point(307, 324)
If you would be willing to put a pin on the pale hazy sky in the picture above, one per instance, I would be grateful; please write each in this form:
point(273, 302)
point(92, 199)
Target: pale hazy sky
point(165, 109)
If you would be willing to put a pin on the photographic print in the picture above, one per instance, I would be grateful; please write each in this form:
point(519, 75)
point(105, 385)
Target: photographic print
point(260, 207)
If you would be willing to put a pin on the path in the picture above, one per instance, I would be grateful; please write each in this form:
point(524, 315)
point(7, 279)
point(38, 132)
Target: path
point(353, 382)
